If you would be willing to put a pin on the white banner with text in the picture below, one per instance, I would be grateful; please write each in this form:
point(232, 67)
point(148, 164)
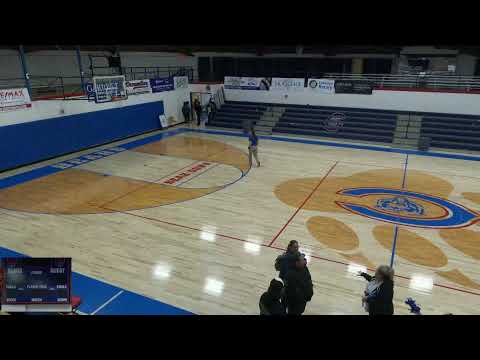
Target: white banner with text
point(287, 84)
point(14, 99)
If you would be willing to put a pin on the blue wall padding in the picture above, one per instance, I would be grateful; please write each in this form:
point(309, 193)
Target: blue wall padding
point(34, 141)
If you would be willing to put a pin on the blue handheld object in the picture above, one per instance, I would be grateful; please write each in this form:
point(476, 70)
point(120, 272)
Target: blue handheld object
point(414, 308)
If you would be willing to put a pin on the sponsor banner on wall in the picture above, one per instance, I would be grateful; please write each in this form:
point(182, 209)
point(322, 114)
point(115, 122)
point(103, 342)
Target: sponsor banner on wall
point(353, 87)
point(135, 87)
point(14, 99)
point(324, 86)
point(247, 83)
point(90, 91)
point(288, 84)
point(180, 82)
point(161, 84)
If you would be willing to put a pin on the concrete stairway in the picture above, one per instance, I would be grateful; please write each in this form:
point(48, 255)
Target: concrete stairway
point(407, 132)
point(269, 119)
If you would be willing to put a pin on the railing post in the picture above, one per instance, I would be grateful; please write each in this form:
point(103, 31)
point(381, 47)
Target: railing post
point(26, 75)
point(63, 87)
point(80, 67)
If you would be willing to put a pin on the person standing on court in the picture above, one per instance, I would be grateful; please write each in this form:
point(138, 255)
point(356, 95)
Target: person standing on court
point(253, 147)
point(271, 300)
point(212, 109)
point(378, 295)
point(198, 110)
point(186, 111)
point(286, 261)
point(298, 287)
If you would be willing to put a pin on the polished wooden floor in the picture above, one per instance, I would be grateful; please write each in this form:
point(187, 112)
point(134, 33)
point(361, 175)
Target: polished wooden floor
point(186, 221)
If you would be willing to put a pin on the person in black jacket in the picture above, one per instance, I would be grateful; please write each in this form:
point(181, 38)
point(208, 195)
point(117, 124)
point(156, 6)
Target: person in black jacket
point(378, 295)
point(287, 260)
point(298, 286)
point(270, 301)
point(186, 111)
point(198, 110)
point(212, 110)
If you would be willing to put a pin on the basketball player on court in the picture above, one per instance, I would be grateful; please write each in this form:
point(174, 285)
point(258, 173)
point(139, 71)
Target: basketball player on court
point(252, 147)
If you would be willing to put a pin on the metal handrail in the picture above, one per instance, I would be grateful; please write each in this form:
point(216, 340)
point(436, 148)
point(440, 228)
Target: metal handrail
point(44, 86)
point(427, 81)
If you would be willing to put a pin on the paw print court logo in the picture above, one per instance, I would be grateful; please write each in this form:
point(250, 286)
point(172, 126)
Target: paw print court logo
point(355, 209)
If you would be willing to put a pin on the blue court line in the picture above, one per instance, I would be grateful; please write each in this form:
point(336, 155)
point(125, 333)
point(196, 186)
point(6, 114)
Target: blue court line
point(94, 293)
point(346, 145)
point(395, 234)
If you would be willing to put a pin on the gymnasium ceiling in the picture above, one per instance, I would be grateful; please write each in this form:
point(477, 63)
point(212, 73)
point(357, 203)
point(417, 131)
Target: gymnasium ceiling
point(327, 49)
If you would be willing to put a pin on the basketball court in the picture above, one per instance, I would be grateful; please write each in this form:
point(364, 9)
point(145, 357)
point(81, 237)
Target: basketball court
point(180, 218)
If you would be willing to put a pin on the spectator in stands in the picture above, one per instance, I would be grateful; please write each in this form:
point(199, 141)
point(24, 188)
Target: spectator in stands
point(212, 109)
point(378, 295)
point(198, 110)
point(287, 260)
point(298, 287)
point(271, 300)
point(186, 111)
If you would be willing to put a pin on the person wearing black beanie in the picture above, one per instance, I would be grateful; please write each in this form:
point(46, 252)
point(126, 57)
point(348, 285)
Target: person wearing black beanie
point(270, 301)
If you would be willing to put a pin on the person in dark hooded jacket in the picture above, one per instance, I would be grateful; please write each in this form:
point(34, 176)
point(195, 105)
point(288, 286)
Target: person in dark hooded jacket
point(287, 260)
point(270, 301)
point(298, 286)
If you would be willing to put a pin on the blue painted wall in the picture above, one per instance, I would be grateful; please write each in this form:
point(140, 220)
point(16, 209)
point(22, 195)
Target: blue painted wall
point(34, 141)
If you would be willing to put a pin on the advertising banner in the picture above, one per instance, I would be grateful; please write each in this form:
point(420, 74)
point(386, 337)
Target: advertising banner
point(323, 86)
point(135, 87)
point(353, 87)
point(90, 91)
point(14, 99)
point(180, 82)
point(287, 84)
point(161, 84)
point(247, 83)
point(109, 88)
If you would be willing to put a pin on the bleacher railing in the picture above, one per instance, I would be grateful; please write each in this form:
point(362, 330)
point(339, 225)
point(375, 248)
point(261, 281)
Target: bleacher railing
point(55, 87)
point(414, 81)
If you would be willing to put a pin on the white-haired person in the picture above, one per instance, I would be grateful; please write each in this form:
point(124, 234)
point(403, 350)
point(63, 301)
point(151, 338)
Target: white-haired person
point(378, 295)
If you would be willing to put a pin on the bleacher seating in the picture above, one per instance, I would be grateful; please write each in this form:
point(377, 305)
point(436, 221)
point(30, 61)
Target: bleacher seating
point(452, 131)
point(232, 114)
point(358, 124)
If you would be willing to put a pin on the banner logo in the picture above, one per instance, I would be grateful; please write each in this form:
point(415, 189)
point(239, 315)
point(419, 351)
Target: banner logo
point(335, 122)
